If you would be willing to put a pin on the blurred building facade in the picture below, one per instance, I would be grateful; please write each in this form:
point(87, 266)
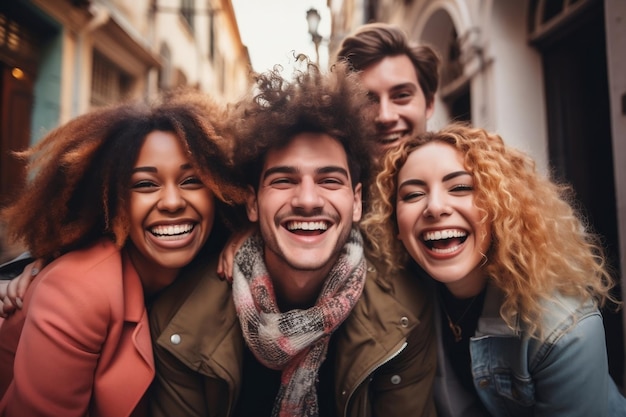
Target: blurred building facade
point(60, 58)
point(549, 76)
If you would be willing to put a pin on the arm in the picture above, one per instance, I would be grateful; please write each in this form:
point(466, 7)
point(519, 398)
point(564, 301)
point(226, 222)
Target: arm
point(572, 378)
point(225, 263)
point(59, 345)
point(12, 290)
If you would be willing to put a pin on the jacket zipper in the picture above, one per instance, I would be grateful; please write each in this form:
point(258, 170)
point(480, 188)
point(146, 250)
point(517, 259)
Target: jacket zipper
point(370, 372)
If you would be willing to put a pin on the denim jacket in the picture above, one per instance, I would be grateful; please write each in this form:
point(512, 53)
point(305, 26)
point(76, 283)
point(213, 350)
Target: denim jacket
point(565, 374)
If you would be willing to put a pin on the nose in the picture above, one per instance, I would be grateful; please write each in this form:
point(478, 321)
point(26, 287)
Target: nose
point(307, 196)
point(171, 199)
point(386, 112)
point(437, 205)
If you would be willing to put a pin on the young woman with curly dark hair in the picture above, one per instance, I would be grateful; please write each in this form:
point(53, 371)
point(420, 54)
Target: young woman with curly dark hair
point(117, 202)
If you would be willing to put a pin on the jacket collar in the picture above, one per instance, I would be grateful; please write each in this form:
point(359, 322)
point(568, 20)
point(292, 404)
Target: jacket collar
point(135, 310)
point(490, 322)
point(377, 329)
point(201, 319)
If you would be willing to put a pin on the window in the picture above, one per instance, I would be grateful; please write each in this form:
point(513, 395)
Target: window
point(165, 74)
point(109, 84)
point(187, 13)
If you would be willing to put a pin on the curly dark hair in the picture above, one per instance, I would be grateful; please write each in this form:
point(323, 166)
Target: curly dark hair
point(78, 175)
point(332, 103)
point(372, 42)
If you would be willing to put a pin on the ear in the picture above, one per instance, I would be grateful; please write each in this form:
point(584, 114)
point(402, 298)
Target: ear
point(430, 109)
point(252, 208)
point(357, 207)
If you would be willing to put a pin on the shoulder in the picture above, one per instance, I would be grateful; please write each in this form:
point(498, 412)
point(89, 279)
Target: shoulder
point(98, 259)
point(85, 278)
point(410, 290)
point(198, 289)
point(389, 303)
point(564, 314)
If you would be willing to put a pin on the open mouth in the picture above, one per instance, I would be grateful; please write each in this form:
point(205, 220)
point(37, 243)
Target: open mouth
point(307, 228)
point(444, 241)
point(391, 138)
point(172, 232)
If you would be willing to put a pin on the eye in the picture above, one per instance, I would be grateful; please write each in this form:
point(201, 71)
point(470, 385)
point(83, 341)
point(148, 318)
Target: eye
point(412, 196)
point(192, 182)
point(462, 188)
point(281, 182)
point(144, 185)
point(403, 96)
point(331, 182)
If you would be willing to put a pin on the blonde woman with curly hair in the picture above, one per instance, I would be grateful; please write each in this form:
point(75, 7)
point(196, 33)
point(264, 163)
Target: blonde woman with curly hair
point(518, 276)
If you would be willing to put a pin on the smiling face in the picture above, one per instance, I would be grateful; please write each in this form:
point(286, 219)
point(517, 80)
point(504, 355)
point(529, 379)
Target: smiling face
point(305, 204)
point(392, 84)
point(438, 222)
point(171, 211)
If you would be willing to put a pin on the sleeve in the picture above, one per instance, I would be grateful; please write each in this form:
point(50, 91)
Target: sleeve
point(572, 380)
point(59, 347)
point(404, 386)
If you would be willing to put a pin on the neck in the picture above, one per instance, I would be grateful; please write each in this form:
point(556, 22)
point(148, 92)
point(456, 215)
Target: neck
point(294, 288)
point(468, 287)
point(153, 277)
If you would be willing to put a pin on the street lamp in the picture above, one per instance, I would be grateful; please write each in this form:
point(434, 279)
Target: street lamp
point(313, 20)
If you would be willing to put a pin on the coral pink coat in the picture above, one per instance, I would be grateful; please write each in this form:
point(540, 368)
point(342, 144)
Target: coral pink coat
point(85, 346)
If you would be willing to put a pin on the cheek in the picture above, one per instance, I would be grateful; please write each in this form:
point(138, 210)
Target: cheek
point(405, 220)
point(206, 205)
point(138, 208)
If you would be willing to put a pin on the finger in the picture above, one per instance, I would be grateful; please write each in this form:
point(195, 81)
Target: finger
point(229, 256)
point(220, 268)
point(25, 281)
point(6, 307)
point(4, 284)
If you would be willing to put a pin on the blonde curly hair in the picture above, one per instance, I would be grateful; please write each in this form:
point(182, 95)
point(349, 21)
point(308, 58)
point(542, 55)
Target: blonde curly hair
point(540, 245)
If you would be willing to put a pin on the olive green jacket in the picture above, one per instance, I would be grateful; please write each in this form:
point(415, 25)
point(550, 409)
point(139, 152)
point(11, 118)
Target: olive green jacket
point(385, 354)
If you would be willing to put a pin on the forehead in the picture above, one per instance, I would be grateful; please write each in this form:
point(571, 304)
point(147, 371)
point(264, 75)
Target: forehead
point(308, 151)
point(159, 146)
point(431, 158)
point(389, 72)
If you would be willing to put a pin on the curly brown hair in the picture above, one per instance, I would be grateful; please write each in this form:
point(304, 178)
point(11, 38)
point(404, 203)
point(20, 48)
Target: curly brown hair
point(332, 103)
point(372, 42)
point(540, 244)
point(78, 175)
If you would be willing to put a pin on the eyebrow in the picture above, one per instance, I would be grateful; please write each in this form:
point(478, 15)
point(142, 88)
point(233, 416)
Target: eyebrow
point(183, 167)
point(285, 169)
point(403, 86)
point(445, 178)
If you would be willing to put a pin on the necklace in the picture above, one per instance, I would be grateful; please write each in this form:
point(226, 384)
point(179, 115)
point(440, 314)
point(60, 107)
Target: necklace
point(457, 331)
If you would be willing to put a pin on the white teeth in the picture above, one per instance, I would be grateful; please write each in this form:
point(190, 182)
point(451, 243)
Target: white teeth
point(390, 138)
point(447, 250)
point(172, 230)
point(307, 226)
point(444, 234)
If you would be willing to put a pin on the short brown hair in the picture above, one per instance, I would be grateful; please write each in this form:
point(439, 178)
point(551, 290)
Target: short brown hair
point(374, 41)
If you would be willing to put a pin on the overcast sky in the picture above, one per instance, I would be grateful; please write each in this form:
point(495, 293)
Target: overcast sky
point(273, 29)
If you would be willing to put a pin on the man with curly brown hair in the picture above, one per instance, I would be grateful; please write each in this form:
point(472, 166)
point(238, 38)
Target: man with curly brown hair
point(312, 328)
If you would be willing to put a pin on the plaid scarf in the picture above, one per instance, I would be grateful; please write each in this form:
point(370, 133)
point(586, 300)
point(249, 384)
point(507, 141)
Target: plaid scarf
point(296, 341)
